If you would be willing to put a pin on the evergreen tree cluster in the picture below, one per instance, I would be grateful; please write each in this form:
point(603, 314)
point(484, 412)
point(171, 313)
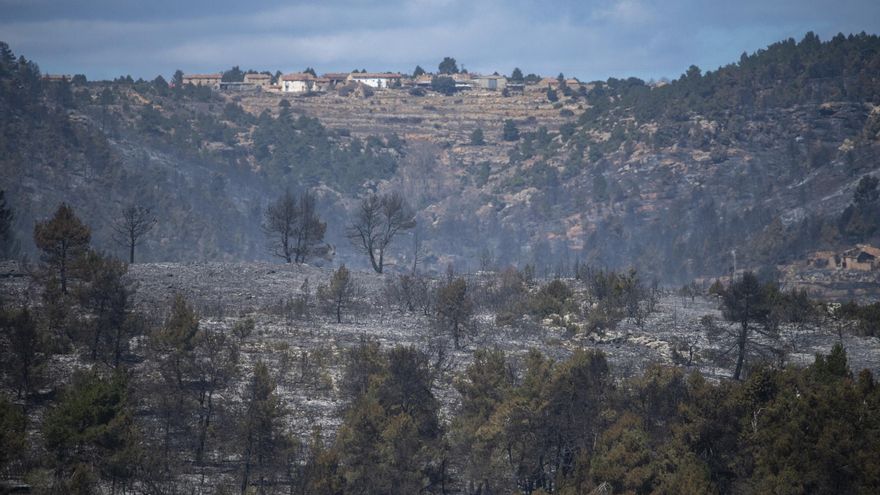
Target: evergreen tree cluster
point(784, 74)
point(566, 427)
point(114, 139)
point(302, 151)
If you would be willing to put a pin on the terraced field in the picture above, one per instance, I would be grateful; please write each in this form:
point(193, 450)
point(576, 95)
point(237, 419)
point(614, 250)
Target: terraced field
point(447, 120)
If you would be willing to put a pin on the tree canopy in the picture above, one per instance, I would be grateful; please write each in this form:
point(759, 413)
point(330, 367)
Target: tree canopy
point(448, 66)
point(63, 241)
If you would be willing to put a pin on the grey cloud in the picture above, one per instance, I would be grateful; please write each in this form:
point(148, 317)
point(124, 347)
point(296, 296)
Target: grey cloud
point(588, 39)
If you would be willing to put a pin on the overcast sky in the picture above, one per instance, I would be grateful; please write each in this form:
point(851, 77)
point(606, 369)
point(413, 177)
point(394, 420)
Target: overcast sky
point(589, 39)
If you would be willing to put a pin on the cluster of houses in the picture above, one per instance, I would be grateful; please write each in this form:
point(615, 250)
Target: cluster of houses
point(860, 258)
point(305, 82)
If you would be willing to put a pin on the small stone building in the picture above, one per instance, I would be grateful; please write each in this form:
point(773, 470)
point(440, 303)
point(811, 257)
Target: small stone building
point(261, 80)
point(322, 84)
point(212, 80)
point(300, 82)
point(862, 257)
point(492, 83)
point(335, 79)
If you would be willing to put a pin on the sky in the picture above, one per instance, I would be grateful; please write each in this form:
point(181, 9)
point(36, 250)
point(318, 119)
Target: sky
point(588, 39)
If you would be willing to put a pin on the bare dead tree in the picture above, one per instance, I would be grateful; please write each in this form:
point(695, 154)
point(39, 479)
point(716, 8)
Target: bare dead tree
point(133, 224)
point(378, 220)
point(294, 228)
point(308, 230)
point(365, 228)
point(418, 252)
point(278, 225)
point(214, 367)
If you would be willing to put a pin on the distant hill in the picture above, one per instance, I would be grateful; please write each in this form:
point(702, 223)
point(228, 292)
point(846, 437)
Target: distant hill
point(752, 164)
point(759, 156)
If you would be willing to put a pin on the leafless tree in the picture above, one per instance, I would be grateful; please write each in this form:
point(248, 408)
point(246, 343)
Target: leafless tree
point(133, 224)
point(365, 228)
point(278, 226)
point(294, 228)
point(378, 220)
point(418, 251)
point(309, 230)
point(214, 367)
point(410, 293)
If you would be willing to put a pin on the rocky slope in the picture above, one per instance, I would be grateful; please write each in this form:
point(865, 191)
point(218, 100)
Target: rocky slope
point(745, 167)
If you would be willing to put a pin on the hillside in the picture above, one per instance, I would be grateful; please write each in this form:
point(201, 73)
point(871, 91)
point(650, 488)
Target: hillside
point(206, 367)
point(760, 157)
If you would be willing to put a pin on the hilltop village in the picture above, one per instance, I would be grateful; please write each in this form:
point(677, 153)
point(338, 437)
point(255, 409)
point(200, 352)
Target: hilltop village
point(309, 82)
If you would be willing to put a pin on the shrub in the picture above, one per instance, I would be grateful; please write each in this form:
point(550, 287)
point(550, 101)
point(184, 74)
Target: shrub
point(553, 298)
point(243, 328)
point(443, 85)
point(477, 138)
point(510, 132)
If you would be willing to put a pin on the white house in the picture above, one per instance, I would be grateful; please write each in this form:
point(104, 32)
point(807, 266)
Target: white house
point(301, 82)
point(376, 80)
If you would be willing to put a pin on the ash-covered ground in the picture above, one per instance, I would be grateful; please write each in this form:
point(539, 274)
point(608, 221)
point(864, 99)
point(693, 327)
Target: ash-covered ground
point(305, 347)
